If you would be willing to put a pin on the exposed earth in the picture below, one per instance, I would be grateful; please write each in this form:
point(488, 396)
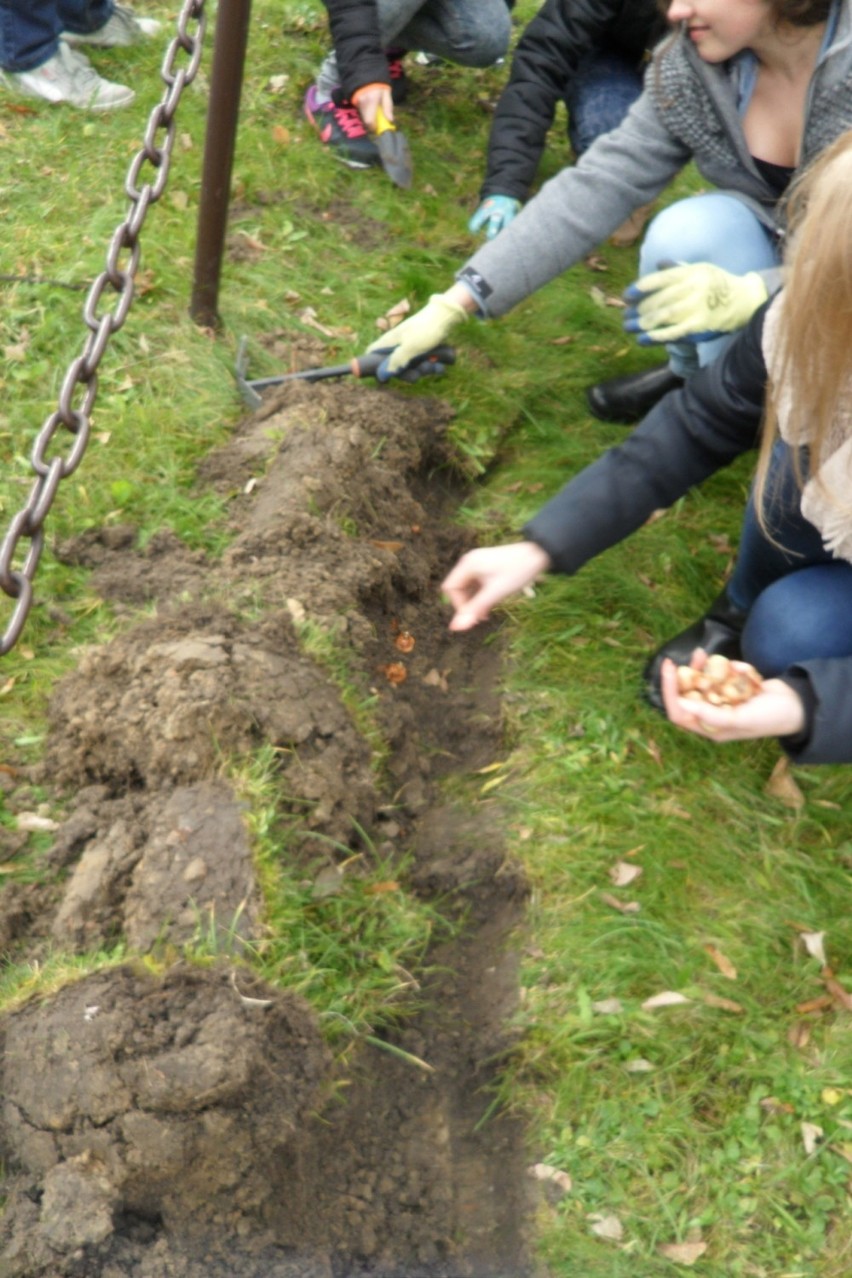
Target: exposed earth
point(193, 1121)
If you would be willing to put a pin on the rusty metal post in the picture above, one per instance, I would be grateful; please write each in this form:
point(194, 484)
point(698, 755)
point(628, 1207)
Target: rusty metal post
point(229, 55)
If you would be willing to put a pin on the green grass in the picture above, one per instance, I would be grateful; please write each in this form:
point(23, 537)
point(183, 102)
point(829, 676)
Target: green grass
point(706, 1142)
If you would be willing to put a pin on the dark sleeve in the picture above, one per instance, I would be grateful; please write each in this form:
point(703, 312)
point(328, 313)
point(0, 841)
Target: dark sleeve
point(689, 435)
point(357, 43)
point(825, 688)
point(547, 56)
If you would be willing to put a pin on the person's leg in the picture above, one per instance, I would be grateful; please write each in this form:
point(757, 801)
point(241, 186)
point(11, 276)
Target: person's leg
point(803, 616)
point(29, 33)
point(83, 16)
point(715, 228)
point(472, 33)
point(599, 95)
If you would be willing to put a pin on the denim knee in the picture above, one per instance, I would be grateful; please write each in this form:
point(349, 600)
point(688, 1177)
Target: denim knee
point(713, 228)
point(804, 616)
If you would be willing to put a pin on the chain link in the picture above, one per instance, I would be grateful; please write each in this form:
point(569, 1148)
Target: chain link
point(79, 388)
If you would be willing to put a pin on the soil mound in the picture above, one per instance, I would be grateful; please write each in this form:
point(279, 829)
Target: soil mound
point(174, 1120)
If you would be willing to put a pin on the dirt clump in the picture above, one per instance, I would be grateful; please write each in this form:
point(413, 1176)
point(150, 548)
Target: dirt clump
point(179, 1121)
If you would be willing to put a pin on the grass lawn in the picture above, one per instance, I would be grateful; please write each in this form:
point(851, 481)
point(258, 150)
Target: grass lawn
point(720, 1124)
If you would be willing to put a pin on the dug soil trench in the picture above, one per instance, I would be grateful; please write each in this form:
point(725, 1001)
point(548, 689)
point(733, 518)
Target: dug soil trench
point(187, 1121)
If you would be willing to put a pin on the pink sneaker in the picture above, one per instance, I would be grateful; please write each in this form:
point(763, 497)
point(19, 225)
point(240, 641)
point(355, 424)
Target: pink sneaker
point(342, 130)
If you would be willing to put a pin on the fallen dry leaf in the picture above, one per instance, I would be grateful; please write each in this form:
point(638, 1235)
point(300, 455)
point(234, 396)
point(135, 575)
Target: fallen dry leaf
point(811, 1136)
point(723, 1004)
point(799, 1034)
point(623, 873)
point(565, 340)
point(377, 889)
point(821, 1004)
point(683, 1253)
point(668, 998)
point(814, 944)
point(724, 964)
point(393, 546)
point(608, 1006)
point(437, 679)
point(638, 1066)
point(542, 1171)
point(394, 316)
point(608, 1227)
point(836, 990)
point(775, 1106)
point(781, 786)
point(34, 823)
point(624, 907)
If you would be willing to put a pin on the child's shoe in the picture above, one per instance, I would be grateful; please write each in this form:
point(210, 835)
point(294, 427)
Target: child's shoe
point(341, 129)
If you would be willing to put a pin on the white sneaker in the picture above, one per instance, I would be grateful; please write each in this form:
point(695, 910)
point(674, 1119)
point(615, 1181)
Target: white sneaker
point(121, 29)
point(69, 77)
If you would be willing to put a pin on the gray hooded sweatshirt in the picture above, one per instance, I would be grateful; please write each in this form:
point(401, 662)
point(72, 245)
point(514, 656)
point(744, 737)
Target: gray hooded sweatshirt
point(688, 110)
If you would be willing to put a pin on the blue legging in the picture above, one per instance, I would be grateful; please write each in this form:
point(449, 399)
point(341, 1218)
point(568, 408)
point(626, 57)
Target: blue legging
point(715, 228)
point(799, 598)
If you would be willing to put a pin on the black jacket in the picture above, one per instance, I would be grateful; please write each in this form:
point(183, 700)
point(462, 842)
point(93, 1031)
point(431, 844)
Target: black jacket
point(547, 56)
point(357, 43)
point(690, 434)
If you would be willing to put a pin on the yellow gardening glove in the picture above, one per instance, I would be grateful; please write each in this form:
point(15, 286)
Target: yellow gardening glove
point(695, 301)
point(417, 335)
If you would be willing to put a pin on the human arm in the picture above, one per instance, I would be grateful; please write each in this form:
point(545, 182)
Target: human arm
point(357, 44)
point(576, 210)
point(551, 49)
point(689, 435)
point(484, 577)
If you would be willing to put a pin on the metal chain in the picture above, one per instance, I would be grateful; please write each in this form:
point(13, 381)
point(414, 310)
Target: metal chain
point(80, 385)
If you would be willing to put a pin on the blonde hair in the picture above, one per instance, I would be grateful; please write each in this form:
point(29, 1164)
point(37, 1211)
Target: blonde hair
point(814, 369)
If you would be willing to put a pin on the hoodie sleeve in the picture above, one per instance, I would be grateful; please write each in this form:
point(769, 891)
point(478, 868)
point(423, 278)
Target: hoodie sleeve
point(690, 434)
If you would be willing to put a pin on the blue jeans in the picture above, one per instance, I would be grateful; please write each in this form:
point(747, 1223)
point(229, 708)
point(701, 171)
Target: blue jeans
point(473, 33)
point(716, 228)
point(798, 597)
point(599, 95)
point(29, 29)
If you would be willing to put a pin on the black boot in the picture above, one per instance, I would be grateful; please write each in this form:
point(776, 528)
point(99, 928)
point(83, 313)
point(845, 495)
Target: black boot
point(628, 399)
point(719, 630)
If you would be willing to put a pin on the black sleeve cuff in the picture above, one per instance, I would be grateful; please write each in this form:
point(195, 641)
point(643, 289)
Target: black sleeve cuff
point(800, 682)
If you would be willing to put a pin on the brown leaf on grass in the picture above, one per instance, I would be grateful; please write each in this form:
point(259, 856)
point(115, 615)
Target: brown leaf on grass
point(781, 786)
point(565, 340)
point(309, 317)
point(723, 1004)
point(377, 889)
point(281, 135)
point(670, 807)
point(394, 316)
point(624, 907)
point(683, 1253)
point(724, 964)
point(623, 873)
point(668, 998)
point(820, 1004)
point(608, 1007)
point(597, 263)
point(654, 750)
point(799, 1035)
point(840, 995)
point(775, 1106)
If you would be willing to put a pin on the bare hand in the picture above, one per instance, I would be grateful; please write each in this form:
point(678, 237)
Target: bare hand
point(775, 711)
point(483, 577)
